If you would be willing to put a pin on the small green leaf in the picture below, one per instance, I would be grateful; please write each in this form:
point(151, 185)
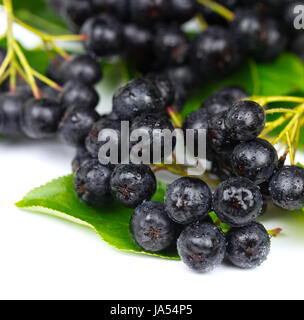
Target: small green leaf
point(111, 223)
point(282, 77)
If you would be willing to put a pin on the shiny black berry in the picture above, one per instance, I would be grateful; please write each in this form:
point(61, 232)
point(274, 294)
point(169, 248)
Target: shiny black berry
point(40, 118)
point(103, 36)
point(92, 184)
point(76, 124)
point(181, 11)
point(148, 12)
point(93, 143)
point(201, 246)
point(188, 200)
point(232, 93)
point(83, 68)
point(214, 52)
point(80, 94)
point(245, 120)
point(171, 46)
point(117, 8)
point(237, 201)
point(216, 104)
point(145, 139)
point(248, 246)
point(219, 136)
point(151, 228)
point(133, 184)
point(82, 156)
point(287, 188)
point(11, 108)
point(55, 70)
point(138, 96)
point(255, 160)
point(78, 11)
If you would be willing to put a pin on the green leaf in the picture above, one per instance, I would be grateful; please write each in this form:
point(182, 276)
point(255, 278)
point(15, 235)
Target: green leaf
point(111, 223)
point(38, 14)
point(282, 77)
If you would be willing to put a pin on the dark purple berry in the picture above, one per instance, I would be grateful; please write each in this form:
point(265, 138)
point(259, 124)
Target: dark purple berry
point(245, 120)
point(181, 11)
point(76, 124)
point(92, 184)
point(201, 246)
point(151, 229)
point(188, 200)
point(41, 117)
point(237, 201)
point(82, 155)
point(255, 160)
point(78, 11)
point(117, 8)
point(287, 188)
point(133, 184)
point(248, 246)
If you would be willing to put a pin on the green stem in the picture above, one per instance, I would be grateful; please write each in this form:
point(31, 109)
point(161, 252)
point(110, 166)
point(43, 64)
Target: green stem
point(218, 8)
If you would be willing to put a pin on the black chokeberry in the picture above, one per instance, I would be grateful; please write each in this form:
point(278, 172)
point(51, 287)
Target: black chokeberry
point(11, 108)
point(237, 201)
point(133, 184)
point(76, 124)
point(181, 11)
point(117, 8)
point(232, 93)
point(93, 143)
point(245, 120)
point(104, 35)
point(219, 136)
point(201, 246)
point(40, 118)
point(55, 70)
point(151, 228)
point(138, 96)
point(248, 246)
point(216, 104)
point(171, 46)
point(92, 184)
point(182, 77)
point(82, 156)
point(163, 84)
point(214, 52)
point(188, 200)
point(83, 68)
point(148, 12)
point(146, 138)
point(80, 94)
point(255, 160)
point(287, 188)
point(78, 11)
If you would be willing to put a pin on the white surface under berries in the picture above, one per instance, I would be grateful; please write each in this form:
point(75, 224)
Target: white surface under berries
point(43, 257)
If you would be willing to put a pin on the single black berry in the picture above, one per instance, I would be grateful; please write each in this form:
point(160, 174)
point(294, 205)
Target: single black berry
point(287, 188)
point(11, 108)
point(151, 228)
point(171, 46)
point(138, 96)
point(76, 124)
point(219, 136)
point(148, 12)
point(133, 184)
point(245, 120)
point(145, 139)
point(40, 118)
point(216, 104)
point(188, 200)
point(92, 183)
point(83, 68)
point(117, 8)
point(214, 52)
point(55, 70)
point(103, 35)
point(237, 201)
point(80, 94)
point(181, 11)
point(201, 246)
point(93, 142)
point(255, 160)
point(82, 155)
point(248, 246)
point(78, 11)
point(232, 93)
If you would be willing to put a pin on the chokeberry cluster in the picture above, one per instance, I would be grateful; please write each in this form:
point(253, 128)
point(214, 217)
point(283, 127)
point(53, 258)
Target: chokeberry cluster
point(150, 35)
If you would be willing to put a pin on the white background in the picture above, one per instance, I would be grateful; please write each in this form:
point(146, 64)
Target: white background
point(44, 257)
